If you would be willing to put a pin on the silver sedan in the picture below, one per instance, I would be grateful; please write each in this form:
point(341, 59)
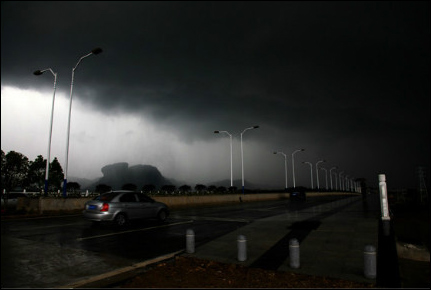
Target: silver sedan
point(121, 206)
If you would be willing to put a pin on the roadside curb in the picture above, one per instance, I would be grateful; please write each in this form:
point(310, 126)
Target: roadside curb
point(412, 252)
point(106, 279)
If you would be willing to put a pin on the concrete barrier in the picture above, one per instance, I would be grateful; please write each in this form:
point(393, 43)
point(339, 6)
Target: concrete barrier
point(412, 252)
point(43, 205)
point(185, 201)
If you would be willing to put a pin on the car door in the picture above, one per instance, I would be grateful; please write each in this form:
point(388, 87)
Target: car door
point(147, 206)
point(130, 205)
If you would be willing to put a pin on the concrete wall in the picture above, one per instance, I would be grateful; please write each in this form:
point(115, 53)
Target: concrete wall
point(50, 204)
point(184, 201)
point(43, 205)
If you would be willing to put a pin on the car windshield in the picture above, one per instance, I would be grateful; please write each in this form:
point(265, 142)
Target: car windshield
point(106, 196)
point(144, 198)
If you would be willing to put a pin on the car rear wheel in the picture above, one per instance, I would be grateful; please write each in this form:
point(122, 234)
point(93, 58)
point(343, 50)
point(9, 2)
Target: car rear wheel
point(120, 220)
point(162, 215)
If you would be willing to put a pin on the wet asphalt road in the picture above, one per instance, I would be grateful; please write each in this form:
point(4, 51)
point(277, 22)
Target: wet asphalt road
point(48, 252)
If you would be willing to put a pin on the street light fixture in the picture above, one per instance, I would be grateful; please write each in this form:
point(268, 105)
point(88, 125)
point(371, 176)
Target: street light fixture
point(242, 156)
point(230, 135)
point(317, 172)
point(336, 182)
point(94, 51)
point(339, 179)
point(326, 176)
point(311, 171)
point(48, 159)
point(347, 181)
point(330, 176)
point(285, 166)
point(293, 165)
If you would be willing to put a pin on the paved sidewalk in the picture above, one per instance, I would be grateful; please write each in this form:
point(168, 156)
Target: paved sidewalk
point(332, 238)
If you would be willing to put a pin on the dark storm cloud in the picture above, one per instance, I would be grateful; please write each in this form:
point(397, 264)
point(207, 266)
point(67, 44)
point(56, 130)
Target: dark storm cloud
point(327, 70)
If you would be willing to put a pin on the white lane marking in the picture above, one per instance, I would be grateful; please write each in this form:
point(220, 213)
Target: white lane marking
point(55, 226)
point(131, 231)
point(202, 218)
point(39, 217)
point(269, 208)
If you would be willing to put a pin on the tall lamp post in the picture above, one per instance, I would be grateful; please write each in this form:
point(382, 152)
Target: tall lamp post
point(242, 156)
point(311, 171)
point(48, 159)
point(94, 51)
point(346, 182)
point(317, 172)
point(230, 135)
point(326, 176)
point(336, 183)
point(339, 179)
point(293, 165)
point(285, 167)
point(330, 176)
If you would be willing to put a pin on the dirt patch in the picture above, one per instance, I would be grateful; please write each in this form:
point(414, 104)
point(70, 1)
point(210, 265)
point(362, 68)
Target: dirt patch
point(187, 272)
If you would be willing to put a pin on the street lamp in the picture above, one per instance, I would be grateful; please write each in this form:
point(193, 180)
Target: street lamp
point(230, 135)
point(339, 179)
point(336, 183)
point(330, 176)
point(242, 156)
point(293, 165)
point(317, 172)
point(94, 51)
point(285, 166)
point(326, 176)
point(346, 181)
point(37, 73)
point(311, 171)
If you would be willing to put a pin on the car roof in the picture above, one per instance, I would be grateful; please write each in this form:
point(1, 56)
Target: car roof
point(122, 191)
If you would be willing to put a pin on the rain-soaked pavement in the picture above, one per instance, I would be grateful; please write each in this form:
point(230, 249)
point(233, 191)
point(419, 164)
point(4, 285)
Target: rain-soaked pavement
point(50, 252)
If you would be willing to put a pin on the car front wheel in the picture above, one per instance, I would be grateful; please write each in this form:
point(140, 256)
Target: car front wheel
point(162, 215)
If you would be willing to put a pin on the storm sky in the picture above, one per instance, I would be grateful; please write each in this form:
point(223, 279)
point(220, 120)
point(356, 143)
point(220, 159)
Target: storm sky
point(347, 81)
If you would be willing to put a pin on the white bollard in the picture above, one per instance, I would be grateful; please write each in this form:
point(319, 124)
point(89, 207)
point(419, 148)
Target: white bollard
point(190, 241)
point(384, 205)
point(383, 197)
point(294, 261)
point(242, 248)
point(370, 262)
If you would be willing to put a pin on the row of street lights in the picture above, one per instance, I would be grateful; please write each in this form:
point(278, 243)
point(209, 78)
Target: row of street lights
point(99, 50)
point(285, 165)
point(344, 184)
point(242, 155)
point(39, 72)
point(293, 165)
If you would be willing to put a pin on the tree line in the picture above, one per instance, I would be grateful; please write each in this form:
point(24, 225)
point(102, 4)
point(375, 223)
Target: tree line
point(18, 173)
point(169, 189)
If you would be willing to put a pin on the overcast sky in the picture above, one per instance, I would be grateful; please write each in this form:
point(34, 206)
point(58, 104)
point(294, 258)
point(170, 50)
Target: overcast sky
point(347, 81)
